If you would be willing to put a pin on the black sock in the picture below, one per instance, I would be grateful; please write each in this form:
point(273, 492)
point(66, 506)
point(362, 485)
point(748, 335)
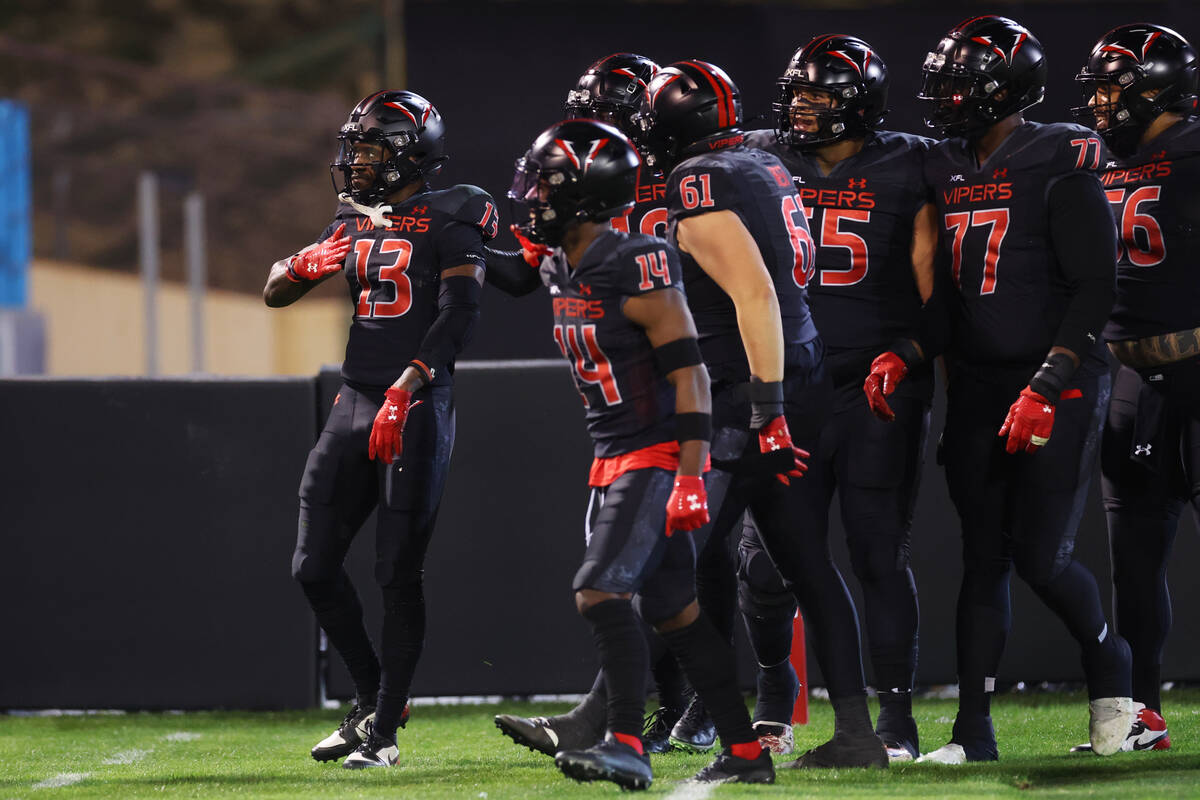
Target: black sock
point(340, 615)
point(708, 661)
point(890, 605)
point(895, 709)
point(592, 710)
point(401, 645)
point(851, 716)
point(622, 648)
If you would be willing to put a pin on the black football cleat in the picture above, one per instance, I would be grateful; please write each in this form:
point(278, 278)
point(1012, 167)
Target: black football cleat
point(728, 768)
point(609, 760)
point(695, 731)
point(348, 736)
point(844, 752)
point(548, 735)
point(656, 734)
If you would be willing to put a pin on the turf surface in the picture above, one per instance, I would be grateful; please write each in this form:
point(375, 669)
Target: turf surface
point(455, 752)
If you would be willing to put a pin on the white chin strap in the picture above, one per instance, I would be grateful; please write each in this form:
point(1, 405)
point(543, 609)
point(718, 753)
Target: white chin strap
point(377, 214)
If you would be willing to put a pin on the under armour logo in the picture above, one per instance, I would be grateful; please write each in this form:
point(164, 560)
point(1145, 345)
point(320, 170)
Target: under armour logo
point(1047, 410)
point(1161, 154)
point(774, 445)
point(694, 502)
point(1141, 449)
point(999, 173)
point(585, 289)
point(858, 184)
point(419, 210)
point(957, 178)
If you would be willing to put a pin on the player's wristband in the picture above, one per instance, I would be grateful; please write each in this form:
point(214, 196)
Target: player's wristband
point(291, 272)
point(1053, 377)
point(766, 402)
point(906, 351)
point(425, 371)
point(693, 426)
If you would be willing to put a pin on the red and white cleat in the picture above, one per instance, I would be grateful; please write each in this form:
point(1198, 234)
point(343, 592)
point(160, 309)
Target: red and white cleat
point(1148, 732)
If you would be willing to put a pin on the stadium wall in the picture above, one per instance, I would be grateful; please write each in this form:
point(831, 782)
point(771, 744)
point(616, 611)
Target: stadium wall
point(147, 528)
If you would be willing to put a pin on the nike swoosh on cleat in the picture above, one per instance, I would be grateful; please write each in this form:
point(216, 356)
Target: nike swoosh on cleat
point(1140, 744)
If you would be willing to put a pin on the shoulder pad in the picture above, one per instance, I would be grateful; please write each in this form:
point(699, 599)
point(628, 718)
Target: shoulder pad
point(469, 204)
point(1071, 147)
point(762, 140)
point(702, 184)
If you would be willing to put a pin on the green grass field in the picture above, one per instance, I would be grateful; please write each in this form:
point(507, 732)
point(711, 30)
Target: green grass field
point(455, 752)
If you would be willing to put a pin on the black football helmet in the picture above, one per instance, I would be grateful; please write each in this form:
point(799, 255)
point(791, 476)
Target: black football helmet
point(411, 139)
point(689, 107)
point(850, 72)
point(579, 169)
point(1131, 62)
point(611, 90)
point(982, 71)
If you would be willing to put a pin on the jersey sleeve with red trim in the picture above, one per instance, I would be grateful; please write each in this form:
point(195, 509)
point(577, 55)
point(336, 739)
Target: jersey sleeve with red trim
point(470, 205)
point(646, 264)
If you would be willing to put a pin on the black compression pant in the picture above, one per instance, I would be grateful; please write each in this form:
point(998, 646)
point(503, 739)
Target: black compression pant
point(875, 467)
point(1021, 510)
point(788, 519)
point(1150, 466)
point(339, 490)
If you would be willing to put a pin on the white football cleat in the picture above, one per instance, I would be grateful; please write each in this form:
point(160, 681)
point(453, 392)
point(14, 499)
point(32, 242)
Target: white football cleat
point(950, 754)
point(1111, 720)
point(347, 737)
point(897, 753)
point(775, 736)
point(1149, 732)
point(375, 751)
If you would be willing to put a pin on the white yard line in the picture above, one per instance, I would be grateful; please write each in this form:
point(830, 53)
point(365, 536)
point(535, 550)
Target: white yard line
point(63, 779)
point(692, 791)
point(126, 757)
point(182, 736)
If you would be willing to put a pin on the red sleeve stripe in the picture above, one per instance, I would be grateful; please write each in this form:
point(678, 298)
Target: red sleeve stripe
point(726, 115)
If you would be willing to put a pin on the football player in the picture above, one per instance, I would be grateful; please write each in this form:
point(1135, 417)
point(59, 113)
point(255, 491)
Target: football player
point(621, 321)
point(1026, 271)
point(1140, 86)
point(610, 90)
point(413, 260)
point(747, 255)
point(864, 194)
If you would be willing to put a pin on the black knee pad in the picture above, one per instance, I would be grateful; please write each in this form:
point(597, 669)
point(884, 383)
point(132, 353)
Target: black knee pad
point(761, 590)
point(877, 558)
point(1039, 570)
point(406, 592)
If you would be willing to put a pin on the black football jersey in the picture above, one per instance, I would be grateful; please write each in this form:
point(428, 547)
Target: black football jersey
point(394, 274)
point(649, 213)
point(754, 185)
point(1008, 295)
point(861, 217)
point(1157, 209)
point(629, 404)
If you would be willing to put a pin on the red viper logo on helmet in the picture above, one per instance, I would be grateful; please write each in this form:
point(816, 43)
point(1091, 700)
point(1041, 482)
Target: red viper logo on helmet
point(1008, 57)
point(1116, 48)
point(571, 153)
point(861, 69)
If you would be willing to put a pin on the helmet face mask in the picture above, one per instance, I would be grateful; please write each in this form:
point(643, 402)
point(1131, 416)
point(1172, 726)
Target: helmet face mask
point(578, 170)
point(1134, 74)
point(611, 90)
point(982, 71)
point(835, 88)
point(390, 140)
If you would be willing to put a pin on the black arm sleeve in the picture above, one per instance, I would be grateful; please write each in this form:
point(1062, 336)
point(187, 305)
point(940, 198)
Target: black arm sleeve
point(934, 321)
point(510, 273)
point(1085, 242)
point(458, 309)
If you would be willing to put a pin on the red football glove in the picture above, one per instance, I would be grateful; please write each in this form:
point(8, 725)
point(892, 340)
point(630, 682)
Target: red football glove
point(387, 432)
point(887, 370)
point(318, 260)
point(1028, 423)
point(533, 253)
point(775, 436)
point(687, 507)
